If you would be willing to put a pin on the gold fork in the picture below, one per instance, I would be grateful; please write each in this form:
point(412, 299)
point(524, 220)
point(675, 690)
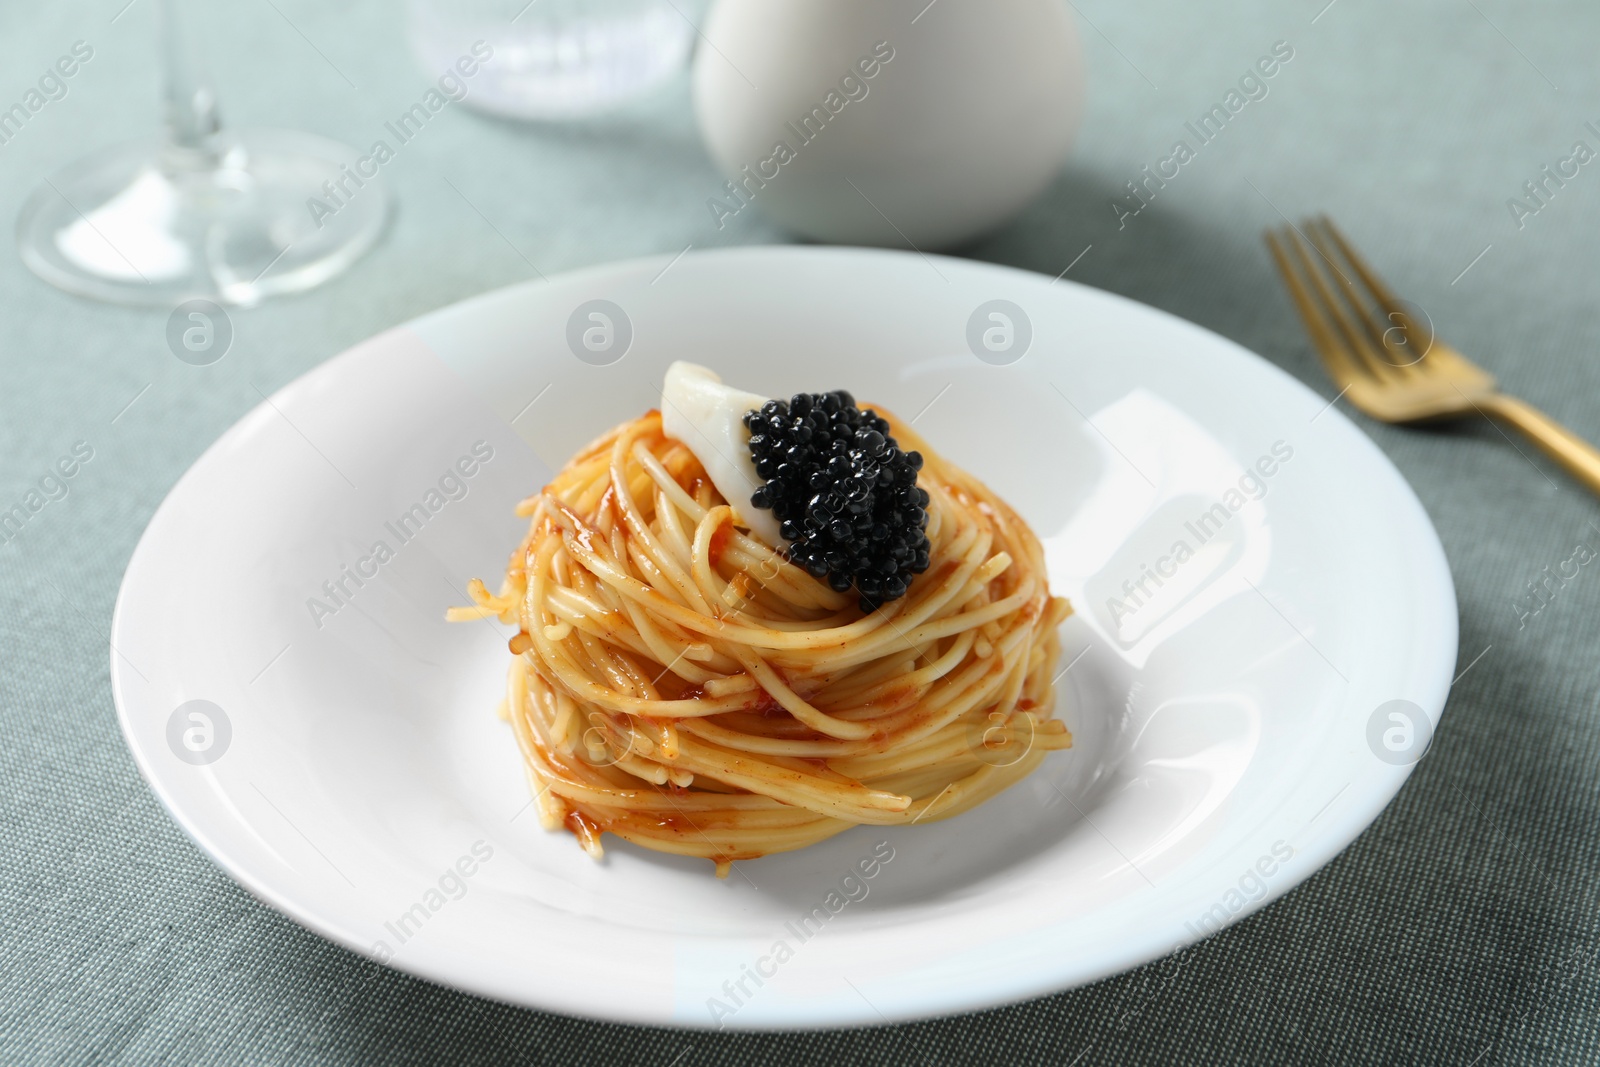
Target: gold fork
point(1393, 369)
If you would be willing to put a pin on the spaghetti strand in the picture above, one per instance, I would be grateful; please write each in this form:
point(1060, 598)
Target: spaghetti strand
point(679, 683)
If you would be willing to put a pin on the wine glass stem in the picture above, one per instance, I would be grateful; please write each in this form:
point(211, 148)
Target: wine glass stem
point(191, 104)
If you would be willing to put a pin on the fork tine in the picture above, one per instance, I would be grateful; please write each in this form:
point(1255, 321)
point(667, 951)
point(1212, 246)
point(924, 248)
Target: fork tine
point(1369, 278)
point(1363, 353)
point(1323, 337)
point(1385, 296)
point(1319, 233)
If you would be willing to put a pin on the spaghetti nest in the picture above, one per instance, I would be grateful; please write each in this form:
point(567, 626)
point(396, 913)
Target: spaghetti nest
point(683, 685)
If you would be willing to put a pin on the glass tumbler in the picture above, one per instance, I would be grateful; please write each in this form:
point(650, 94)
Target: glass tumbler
point(555, 59)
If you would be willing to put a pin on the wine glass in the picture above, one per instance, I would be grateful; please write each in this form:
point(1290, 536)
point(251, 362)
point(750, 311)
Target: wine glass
point(202, 211)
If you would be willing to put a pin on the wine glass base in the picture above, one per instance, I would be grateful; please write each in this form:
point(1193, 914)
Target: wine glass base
point(261, 212)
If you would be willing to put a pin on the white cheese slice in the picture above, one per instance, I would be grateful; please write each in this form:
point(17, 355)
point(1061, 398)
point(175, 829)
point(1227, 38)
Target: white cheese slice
point(708, 417)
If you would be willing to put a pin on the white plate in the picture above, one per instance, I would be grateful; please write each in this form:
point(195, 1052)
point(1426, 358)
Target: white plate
point(1234, 726)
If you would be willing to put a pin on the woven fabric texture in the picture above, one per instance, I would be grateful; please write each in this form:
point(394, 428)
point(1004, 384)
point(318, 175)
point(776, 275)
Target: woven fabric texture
point(1460, 928)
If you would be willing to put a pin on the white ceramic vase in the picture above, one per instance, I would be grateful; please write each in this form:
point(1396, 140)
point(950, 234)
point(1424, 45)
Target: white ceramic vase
point(887, 121)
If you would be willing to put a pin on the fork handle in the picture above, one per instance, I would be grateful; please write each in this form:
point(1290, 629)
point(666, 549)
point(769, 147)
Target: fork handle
point(1577, 456)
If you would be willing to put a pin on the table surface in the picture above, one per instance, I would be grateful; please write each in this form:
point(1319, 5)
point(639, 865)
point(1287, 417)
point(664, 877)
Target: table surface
point(1460, 928)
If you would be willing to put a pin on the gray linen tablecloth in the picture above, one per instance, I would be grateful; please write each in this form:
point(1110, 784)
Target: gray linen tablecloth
point(1461, 928)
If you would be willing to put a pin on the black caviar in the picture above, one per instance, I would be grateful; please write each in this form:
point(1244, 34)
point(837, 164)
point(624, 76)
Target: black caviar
point(844, 494)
